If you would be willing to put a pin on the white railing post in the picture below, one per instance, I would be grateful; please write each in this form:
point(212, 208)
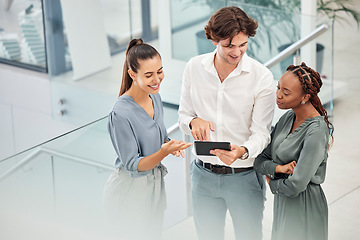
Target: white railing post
point(186, 138)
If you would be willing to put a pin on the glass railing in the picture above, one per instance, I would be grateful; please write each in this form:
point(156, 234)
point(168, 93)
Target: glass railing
point(58, 186)
point(59, 182)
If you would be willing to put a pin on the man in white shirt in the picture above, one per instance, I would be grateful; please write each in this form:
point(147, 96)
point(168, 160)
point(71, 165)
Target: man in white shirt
point(228, 96)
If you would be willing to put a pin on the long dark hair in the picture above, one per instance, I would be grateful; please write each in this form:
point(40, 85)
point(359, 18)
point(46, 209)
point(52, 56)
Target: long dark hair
point(311, 83)
point(137, 50)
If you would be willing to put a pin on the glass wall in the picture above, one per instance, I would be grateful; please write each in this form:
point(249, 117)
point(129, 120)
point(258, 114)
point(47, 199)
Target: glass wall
point(277, 28)
point(122, 21)
point(22, 40)
point(324, 59)
point(127, 19)
point(84, 99)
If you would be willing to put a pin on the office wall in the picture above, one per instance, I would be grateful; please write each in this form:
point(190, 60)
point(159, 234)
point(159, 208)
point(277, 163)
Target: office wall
point(25, 110)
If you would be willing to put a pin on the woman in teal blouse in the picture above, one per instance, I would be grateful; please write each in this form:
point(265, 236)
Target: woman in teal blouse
point(134, 195)
point(294, 162)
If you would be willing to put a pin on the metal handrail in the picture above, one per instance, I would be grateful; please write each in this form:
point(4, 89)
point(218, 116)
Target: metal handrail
point(52, 139)
point(53, 153)
point(41, 149)
point(297, 45)
point(173, 128)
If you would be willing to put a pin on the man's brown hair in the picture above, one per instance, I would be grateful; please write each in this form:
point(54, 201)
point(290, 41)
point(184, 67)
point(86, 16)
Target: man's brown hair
point(228, 22)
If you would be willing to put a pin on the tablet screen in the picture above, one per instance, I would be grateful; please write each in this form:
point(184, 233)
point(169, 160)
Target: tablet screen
point(204, 147)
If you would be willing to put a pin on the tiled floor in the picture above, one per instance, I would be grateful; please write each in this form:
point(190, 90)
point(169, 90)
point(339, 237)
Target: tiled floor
point(342, 184)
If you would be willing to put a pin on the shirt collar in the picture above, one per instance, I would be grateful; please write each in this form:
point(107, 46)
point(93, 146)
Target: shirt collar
point(208, 63)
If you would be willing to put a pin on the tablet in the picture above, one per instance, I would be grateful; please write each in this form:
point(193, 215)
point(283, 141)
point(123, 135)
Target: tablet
point(204, 147)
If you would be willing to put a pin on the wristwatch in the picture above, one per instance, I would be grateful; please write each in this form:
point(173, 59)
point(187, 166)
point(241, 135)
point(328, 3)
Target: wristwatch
point(245, 155)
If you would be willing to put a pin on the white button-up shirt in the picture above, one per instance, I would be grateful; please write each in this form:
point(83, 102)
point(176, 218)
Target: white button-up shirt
point(241, 107)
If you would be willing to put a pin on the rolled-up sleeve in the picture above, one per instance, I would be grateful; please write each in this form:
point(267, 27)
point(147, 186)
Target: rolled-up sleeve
point(125, 143)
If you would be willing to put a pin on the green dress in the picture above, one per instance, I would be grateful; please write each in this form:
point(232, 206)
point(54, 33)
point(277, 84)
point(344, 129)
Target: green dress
point(300, 206)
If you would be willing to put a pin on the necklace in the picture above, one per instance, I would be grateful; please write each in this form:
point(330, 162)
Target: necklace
point(297, 121)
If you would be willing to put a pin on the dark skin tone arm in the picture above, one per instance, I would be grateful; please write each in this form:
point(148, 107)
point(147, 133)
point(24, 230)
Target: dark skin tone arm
point(287, 169)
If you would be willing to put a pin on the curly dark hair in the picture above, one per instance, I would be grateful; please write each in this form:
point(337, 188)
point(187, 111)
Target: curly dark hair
point(228, 22)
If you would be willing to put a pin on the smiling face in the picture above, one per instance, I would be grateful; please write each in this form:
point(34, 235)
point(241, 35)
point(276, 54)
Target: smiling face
point(231, 53)
point(149, 75)
point(289, 93)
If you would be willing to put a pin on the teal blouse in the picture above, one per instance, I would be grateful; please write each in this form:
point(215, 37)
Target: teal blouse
point(134, 134)
point(307, 145)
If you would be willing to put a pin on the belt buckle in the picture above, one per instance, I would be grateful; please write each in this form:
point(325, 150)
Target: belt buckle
point(223, 170)
point(211, 167)
point(219, 169)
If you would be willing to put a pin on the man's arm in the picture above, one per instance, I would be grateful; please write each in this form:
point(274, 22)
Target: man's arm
point(186, 109)
point(189, 123)
point(262, 116)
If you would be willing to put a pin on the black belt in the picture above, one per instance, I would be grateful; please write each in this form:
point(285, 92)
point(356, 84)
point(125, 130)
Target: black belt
point(220, 169)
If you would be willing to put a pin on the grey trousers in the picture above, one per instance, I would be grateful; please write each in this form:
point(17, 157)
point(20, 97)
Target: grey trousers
point(242, 194)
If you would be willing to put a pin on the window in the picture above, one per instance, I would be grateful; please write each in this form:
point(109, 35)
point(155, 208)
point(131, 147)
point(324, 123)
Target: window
point(22, 40)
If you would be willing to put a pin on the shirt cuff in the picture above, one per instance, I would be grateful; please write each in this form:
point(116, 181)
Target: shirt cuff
point(251, 149)
point(186, 124)
point(273, 184)
point(134, 172)
point(270, 169)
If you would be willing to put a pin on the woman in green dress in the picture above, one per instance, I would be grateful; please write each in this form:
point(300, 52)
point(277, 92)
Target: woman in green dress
point(294, 162)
